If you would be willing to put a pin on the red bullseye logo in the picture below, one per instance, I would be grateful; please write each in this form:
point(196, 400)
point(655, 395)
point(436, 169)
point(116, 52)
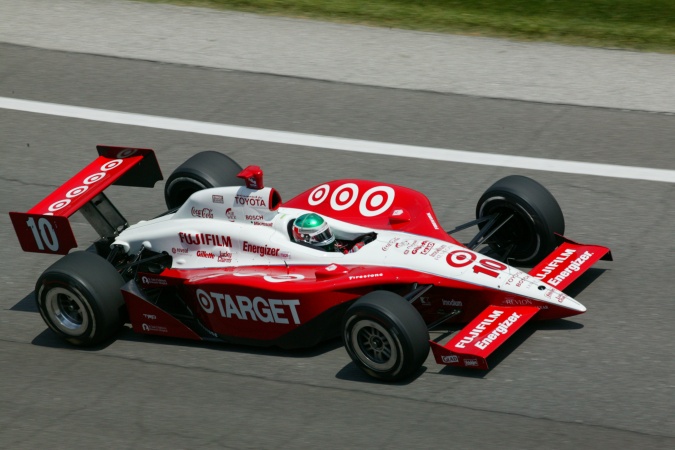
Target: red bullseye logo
point(376, 201)
point(59, 205)
point(344, 196)
point(205, 301)
point(319, 194)
point(110, 165)
point(91, 179)
point(76, 191)
point(460, 258)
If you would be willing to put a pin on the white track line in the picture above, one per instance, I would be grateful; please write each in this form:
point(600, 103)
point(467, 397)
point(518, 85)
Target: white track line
point(343, 144)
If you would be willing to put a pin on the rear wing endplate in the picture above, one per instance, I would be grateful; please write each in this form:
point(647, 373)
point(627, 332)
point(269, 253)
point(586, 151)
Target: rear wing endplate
point(45, 227)
point(471, 346)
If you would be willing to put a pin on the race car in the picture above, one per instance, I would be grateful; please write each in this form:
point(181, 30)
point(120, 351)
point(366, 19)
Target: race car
point(228, 262)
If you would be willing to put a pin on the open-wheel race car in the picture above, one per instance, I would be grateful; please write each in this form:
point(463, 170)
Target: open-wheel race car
point(364, 260)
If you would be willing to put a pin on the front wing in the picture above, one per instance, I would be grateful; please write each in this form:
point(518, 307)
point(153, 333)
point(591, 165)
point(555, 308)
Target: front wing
point(471, 346)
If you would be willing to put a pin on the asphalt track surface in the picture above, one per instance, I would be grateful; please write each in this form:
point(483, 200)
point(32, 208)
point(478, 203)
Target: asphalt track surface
point(605, 378)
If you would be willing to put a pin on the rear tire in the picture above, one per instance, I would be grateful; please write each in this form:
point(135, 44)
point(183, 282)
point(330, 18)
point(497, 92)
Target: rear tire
point(79, 298)
point(536, 218)
point(202, 171)
point(385, 336)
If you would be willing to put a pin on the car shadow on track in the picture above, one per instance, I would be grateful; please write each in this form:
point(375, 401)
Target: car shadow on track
point(351, 372)
point(585, 280)
point(26, 304)
point(49, 339)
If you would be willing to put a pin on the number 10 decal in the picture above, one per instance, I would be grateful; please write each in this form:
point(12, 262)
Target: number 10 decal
point(43, 233)
point(462, 258)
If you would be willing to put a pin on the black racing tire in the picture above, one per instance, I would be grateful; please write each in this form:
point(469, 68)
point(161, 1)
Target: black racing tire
point(385, 336)
point(536, 218)
point(202, 171)
point(79, 298)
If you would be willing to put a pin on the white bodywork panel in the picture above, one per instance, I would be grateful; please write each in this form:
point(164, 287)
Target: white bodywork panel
point(234, 226)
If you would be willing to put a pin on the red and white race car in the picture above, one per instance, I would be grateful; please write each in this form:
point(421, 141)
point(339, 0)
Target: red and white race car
point(222, 264)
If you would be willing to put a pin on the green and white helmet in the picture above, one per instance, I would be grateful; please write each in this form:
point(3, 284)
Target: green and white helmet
point(313, 230)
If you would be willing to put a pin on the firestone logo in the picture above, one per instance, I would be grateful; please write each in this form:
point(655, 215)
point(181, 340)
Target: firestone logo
point(369, 275)
point(204, 213)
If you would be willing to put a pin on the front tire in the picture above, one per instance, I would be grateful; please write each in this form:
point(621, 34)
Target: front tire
point(535, 218)
point(385, 336)
point(79, 298)
point(202, 171)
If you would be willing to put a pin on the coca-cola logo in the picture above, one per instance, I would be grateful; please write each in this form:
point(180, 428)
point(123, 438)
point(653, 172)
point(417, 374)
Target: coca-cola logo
point(204, 213)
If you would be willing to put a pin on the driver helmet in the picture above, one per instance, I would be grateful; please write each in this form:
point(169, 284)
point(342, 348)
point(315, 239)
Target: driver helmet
point(312, 229)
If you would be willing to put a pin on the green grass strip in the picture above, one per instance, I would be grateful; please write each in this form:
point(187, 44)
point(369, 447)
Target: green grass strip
point(630, 24)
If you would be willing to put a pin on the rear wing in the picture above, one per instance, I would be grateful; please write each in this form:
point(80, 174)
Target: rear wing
point(471, 346)
point(568, 261)
point(45, 227)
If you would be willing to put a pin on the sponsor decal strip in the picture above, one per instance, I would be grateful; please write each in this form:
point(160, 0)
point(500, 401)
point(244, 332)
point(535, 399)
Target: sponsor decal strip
point(489, 330)
point(243, 308)
point(261, 250)
point(205, 239)
point(567, 262)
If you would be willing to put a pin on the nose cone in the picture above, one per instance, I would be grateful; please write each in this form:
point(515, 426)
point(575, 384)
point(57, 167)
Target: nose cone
point(566, 301)
point(558, 304)
point(561, 304)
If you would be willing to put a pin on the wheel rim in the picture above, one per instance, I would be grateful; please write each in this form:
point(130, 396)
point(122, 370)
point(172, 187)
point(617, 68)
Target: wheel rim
point(67, 311)
point(374, 345)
